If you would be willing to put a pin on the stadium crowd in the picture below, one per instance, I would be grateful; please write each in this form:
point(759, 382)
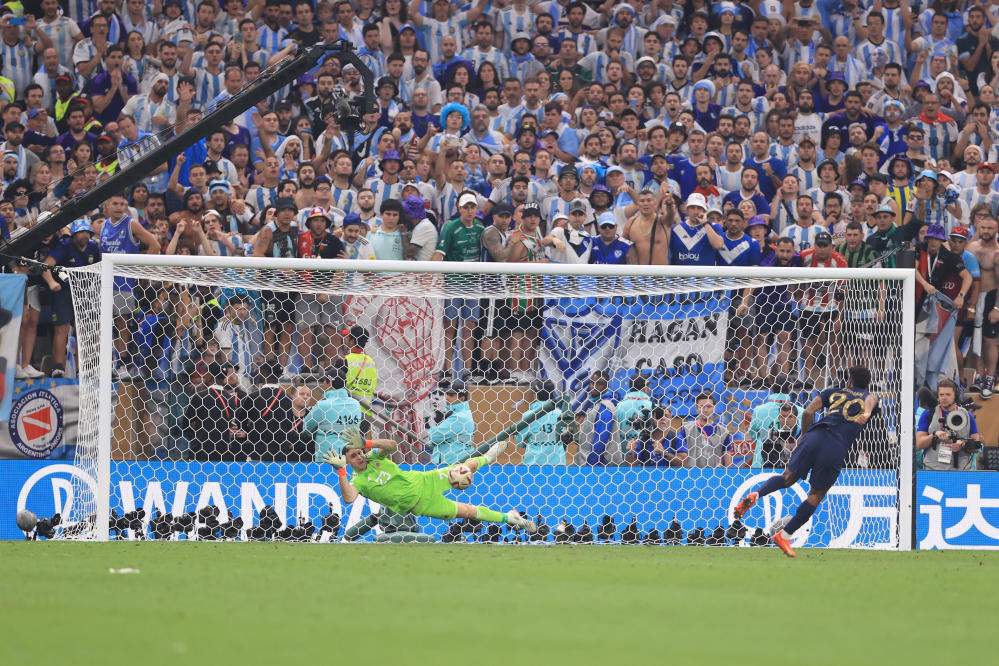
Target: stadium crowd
point(817, 133)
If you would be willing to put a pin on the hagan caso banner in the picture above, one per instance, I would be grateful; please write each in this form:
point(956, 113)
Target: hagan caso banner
point(859, 510)
point(11, 307)
point(677, 341)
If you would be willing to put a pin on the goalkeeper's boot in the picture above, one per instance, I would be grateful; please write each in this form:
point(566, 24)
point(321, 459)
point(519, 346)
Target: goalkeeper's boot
point(747, 503)
point(518, 522)
point(494, 451)
point(783, 543)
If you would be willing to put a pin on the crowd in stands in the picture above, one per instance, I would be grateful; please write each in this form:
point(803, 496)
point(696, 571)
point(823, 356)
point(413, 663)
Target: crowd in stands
point(816, 133)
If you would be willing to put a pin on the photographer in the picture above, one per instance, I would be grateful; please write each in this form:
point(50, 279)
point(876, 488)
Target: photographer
point(775, 451)
point(948, 435)
point(657, 444)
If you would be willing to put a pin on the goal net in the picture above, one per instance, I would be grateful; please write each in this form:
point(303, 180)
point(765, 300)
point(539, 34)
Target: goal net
point(637, 404)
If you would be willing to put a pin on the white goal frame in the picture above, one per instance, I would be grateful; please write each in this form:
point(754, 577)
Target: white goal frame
point(906, 277)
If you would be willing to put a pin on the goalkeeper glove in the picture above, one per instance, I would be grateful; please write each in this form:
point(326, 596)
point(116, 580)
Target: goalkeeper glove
point(354, 439)
point(333, 458)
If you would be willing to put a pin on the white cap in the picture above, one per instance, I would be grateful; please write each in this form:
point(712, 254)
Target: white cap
point(466, 199)
point(696, 199)
point(946, 174)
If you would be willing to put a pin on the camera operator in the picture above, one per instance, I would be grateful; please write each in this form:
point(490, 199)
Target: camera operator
point(657, 444)
point(775, 451)
point(948, 435)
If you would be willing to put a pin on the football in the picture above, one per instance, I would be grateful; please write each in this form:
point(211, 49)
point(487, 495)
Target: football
point(460, 477)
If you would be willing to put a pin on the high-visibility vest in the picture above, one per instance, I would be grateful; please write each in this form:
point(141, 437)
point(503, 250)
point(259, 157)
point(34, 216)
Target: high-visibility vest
point(7, 88)
point(362, 375)
point(62, 107)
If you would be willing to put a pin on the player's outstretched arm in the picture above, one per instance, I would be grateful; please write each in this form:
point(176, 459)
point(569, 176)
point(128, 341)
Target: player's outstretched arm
point(355, 440)
point(339, 463)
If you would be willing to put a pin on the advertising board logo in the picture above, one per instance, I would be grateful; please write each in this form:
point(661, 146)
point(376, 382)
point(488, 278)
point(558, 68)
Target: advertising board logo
point(60, 478)
point(36, 423)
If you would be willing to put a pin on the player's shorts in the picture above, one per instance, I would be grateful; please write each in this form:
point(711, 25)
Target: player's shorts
point(495, 319)
point(861, 332)
point(989, 330)
point(125, 303)
point(772, 319)
point(432, 502)
point(812, 323)
point(33, 296)
point(310, 312)
point(821, 454)
point(62, 306)
point(462, 308)
point(278, 307)
point(739, 325)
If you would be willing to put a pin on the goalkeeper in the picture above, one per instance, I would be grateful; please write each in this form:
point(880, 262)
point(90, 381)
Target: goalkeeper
point(420, 493)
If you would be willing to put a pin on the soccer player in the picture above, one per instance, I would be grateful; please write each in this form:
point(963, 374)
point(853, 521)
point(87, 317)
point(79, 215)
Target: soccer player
point(408, 491)
point(822, 450)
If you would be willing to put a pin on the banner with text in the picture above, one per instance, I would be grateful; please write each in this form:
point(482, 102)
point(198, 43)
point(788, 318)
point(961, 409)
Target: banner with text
point(676, 340)
point(43, 419)
point(11, 306)
point(861, 509)
point(957, 510)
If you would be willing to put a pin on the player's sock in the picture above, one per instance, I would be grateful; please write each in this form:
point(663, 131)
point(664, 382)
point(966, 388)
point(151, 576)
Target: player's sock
point(488, 515)
point(801, 516)
point(773, 484)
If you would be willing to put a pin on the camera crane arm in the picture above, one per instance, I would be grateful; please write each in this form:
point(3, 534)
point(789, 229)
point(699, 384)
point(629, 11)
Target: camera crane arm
point(142, 166)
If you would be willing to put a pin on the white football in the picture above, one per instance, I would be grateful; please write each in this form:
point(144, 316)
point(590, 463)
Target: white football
point(460, 477)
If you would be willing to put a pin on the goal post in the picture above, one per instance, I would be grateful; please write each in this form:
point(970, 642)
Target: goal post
point(146, 359)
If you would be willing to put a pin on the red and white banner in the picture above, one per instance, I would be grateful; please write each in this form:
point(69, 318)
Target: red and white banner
point(406, 340)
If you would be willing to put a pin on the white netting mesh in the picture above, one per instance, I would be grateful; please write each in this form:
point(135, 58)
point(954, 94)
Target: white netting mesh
point(593, 381)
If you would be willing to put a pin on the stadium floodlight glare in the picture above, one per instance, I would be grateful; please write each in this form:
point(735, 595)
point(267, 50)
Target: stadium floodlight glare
point(672, 323)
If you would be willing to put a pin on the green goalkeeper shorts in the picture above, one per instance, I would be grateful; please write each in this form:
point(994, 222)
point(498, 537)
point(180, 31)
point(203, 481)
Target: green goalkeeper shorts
point(434, 483)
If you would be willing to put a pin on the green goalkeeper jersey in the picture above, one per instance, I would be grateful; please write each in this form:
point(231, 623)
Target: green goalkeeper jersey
point(383, 482)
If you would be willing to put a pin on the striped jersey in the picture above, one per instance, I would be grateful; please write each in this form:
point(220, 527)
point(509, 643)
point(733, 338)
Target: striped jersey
point(62, 31)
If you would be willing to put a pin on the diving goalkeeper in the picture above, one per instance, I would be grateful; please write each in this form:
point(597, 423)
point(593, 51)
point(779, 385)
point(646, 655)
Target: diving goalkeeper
point(420, 493)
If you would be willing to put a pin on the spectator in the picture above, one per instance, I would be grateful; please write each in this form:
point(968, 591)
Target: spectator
point(335, 413)
point(265, 420)
point(236, 339)
point(461, 240)
point(948, 434)
point(633, 408)
point(707, 442)
point(120, 234)
point(77, 251)
point(362, 374)
point(690, 247)
point(942, 285)
point(451, 440)
point(599, 438)
point(542, 440)
point(210, 420)
point(777, 413)
point(657, 444)
point(608, 247)
point(423, 234)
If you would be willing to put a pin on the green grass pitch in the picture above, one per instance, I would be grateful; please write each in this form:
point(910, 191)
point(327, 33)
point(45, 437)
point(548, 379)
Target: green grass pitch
point(263, 603)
